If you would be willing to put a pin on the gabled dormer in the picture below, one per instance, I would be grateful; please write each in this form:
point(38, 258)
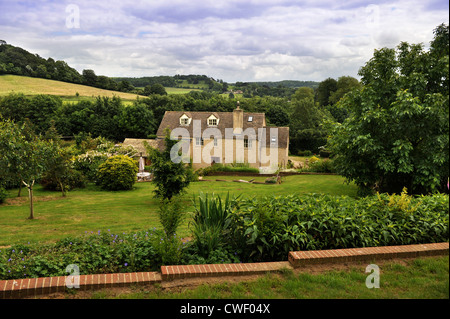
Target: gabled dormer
point(212, 120)
point(185, 120)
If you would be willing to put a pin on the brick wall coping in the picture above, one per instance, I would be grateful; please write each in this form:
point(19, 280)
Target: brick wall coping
point(21, 288)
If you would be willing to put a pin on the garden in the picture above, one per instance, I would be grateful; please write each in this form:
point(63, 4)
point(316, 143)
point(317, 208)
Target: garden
point(389, 186)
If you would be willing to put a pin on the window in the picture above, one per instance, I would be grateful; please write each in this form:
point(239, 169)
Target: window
point(198, 141)
point(250, 118)
point(212, 122)
point(216, 142)
point(185, 120)
point(247, 143)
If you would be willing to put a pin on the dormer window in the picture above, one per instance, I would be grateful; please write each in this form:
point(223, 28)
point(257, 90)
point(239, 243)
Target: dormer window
point(185, 120)
point(213, 121)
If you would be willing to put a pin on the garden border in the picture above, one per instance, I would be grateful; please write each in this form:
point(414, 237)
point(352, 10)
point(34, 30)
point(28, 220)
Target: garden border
point(35, 287)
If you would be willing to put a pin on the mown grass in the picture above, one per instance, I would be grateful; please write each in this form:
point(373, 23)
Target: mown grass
point(92, 209)
point(422, 278)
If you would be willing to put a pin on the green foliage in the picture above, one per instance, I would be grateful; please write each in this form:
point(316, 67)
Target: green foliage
point(210, 222)
point(117, 173)
point(93, 253)
point(236, 167)
point(171, 215)
point(170, 178)
point(168, 249)
point(377, 147)
point(89, 163)
point(71, 179)
point(267, 229)
point(321, 166)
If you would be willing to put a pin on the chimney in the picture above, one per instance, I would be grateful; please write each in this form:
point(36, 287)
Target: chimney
point(238, 120)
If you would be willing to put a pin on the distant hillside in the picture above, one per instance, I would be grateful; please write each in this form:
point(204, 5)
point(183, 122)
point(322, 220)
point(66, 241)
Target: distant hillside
point(32, 86)
point(17, 61)
point(288, 83)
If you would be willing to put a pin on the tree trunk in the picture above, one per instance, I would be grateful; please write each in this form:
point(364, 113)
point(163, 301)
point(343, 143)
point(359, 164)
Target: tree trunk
point(30, 195)
point(62, 189)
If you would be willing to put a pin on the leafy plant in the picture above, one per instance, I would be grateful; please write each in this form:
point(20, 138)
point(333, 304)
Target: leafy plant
point(117, 173)
point(210, 221)
point(171, 215)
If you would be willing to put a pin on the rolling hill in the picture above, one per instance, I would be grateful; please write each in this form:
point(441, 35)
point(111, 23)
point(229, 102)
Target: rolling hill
point(33, 86)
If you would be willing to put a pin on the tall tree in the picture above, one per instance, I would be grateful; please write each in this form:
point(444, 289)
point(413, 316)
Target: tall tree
point(398, 132)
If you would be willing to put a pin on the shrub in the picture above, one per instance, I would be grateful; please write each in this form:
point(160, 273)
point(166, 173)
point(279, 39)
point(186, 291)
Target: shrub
point(321, 166)
point(171, 215)
point(304, 153)
point(88, 164)
point(94, 253)
point(74, 179)
point(117, 173)
point(313, 159)
point(268, 228)
point(210, 222)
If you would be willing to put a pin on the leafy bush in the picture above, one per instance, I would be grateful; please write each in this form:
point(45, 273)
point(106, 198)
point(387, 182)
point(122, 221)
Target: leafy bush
point(74, 179)
point(117, 173)
point(313, 159)
point(321, 166)
point(268, 228)
point(236, 167)
point(88, 164)
point(93, 253)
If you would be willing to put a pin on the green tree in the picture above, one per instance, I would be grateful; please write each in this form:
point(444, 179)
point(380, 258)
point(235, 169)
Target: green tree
point(24, 155)
point(155, 88)
point(306, 126)
point(303, 93)
point(137, 121)
point(324, 91)
point(398, 132)
point(170, 178)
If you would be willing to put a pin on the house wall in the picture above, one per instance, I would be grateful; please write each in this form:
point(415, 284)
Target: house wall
point(204, 153)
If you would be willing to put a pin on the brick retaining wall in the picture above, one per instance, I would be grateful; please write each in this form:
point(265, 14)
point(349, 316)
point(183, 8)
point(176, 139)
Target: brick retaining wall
point(21, 288)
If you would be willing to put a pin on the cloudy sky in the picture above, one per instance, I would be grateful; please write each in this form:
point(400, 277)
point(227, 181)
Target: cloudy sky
point(264, 40)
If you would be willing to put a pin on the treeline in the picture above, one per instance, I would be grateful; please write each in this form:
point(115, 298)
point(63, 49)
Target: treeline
point(111, 119)
point(17, 61)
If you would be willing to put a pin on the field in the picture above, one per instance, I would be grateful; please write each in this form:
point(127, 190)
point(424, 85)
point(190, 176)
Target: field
point(34, 86)
point(91, 209)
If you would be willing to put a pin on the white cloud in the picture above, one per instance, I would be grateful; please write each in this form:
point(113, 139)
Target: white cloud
point(232, 40)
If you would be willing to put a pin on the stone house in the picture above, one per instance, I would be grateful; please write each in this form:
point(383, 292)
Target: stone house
point(227, 137)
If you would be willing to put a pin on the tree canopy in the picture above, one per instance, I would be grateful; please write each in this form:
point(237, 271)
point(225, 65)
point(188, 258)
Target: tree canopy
point(397, 134)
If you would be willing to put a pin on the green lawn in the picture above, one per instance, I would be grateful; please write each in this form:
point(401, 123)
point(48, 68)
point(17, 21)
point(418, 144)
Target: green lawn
point(424, 278)
point(92, 209)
